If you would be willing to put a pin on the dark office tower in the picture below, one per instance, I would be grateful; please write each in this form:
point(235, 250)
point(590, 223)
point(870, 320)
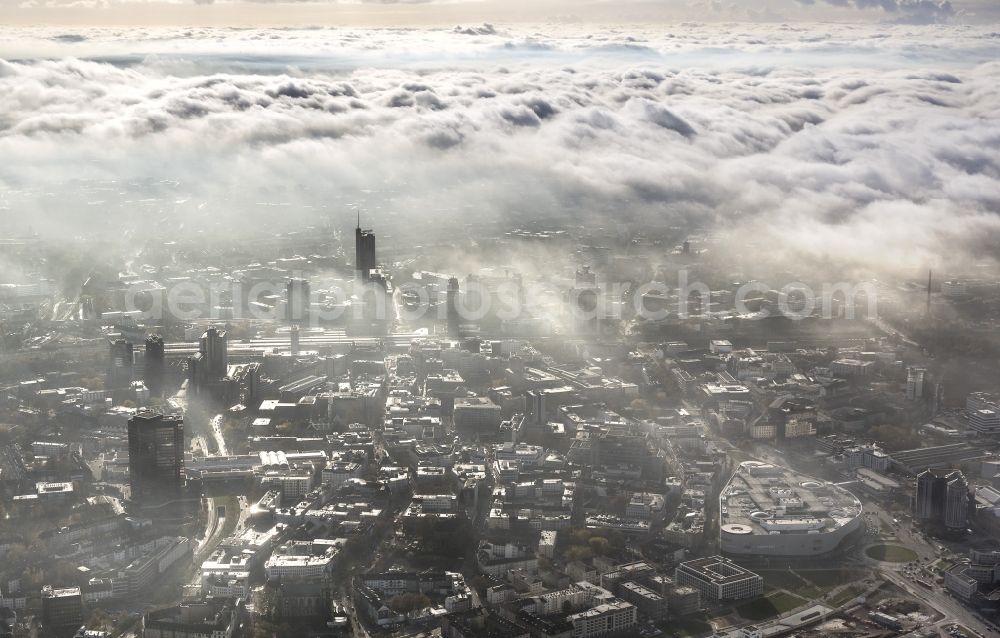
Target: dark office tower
point(155, 457)
point(155, 365)
point(62, 611)
point(942, 499)
point(294, 345)
point(454, 319)
point(208, 366)
point(956, 503)
point(215, 348)
point(297, 300)
point(364, 251)
point(929, 496)
point(120, 367)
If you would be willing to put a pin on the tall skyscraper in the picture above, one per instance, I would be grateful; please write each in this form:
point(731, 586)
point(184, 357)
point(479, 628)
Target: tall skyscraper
point(364, 251)
point(915, 383)
point(956, 506)
point(942, 499)
point(155, 365)
point(215, 347)
point(208, 366)
point(454, 319)
point(120, 368)
point(155, 457)
point(297, 300)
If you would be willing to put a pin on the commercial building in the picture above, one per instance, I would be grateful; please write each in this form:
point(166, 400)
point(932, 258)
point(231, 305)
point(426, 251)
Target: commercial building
point(609, 618)
point(301, 560)
point(985, 420)
point(772, 511)
point(684, 600)
point(960, 582)
point(915, 383)
point(156, 457)
point(297, 301)
point(851, 368)
point(62, 610)
point(939, 456)
point(719, 579)
point(212, 618)
point(477, 414)
point(120, 367)
point(364, 252)
point(208, 366)
point(942, 499)
point(647, 601)
point(154, 365)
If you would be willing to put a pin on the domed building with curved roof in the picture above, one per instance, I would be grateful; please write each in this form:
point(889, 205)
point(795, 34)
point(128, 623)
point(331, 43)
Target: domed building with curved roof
point(771, 510)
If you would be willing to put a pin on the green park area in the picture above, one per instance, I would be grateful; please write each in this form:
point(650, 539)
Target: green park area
point(812, 582)
point(686, 627)
point(891, 553)
point(769, 606)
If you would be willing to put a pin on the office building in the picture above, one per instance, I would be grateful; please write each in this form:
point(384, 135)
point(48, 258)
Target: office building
point(682, 601)
point(614, 617)
point(915, 383)
point(942, 499)
point(719, 579)
point(477, 414)
point(121, 365)
point(154, 365)
point(851, 368)
point(649, 603)
point(364, 252)
point(62, 610)
point(215, 348)
point(210, 364)
point(156, 457)
point(985, 420)
point(213, 618)
point(452, 300)
point(297, 300)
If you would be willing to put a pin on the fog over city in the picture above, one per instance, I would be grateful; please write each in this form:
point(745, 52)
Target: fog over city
point(866, 144)
point(661, 318)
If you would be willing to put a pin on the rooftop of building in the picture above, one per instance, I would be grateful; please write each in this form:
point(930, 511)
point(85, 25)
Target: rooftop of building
point(762, 498)
point(717, 569)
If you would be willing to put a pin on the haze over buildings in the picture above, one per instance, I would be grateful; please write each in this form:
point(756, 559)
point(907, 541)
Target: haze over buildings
point(660, 319)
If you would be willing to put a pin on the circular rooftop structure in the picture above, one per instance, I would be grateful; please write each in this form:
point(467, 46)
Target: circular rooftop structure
point(734, 528)
point(811, 484)
point(760, 516)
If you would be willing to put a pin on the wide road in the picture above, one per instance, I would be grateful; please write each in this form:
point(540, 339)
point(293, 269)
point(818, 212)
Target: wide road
point(953, 610)
point(220, 441)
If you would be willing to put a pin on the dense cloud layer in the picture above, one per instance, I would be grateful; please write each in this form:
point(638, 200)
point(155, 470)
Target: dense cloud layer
point(881, 151)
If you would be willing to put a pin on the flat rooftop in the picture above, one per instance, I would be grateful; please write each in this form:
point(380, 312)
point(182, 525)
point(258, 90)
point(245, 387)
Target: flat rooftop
point(717, 569)
point(762, 498)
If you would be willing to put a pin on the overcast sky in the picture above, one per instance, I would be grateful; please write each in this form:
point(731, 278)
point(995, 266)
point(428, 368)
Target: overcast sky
point(424, 12)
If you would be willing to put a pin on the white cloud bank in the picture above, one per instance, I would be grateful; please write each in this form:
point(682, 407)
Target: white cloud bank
point(869, 146)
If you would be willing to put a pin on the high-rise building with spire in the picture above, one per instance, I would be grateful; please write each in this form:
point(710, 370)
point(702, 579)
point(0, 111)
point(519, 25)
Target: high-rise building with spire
point(364, 251)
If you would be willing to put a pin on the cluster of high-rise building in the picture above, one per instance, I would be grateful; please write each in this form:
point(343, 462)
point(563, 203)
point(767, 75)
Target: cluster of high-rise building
point(943, 499)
